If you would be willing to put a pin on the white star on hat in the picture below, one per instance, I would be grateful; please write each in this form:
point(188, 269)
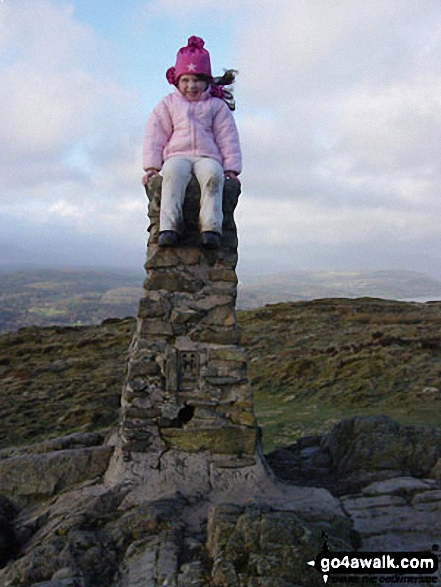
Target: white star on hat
point(191, 67)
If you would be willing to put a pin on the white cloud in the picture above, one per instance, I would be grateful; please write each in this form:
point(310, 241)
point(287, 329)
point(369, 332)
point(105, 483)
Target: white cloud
point(46, 96)
point(113, 219)
point(342, 143)
point(60, 107)
point(397, 127)
point(43, 113)
point(338, 110)
point(275, 222)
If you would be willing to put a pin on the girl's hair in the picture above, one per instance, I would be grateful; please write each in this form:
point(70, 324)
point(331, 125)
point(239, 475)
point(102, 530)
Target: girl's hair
point(217, 86)
point(226, 80)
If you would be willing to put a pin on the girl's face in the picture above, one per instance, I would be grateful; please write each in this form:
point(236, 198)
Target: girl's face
point(192, 87)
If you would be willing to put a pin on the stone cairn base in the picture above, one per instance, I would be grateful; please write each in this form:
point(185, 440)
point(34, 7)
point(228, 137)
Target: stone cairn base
point(187, 419)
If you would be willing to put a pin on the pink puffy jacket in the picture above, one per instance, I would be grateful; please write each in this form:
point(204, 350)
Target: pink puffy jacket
point(178, 127)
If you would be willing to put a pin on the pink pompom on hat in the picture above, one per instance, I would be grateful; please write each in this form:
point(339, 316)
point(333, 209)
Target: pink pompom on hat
point(192, 59)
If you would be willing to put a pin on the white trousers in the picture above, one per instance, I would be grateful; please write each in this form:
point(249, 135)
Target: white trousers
point(177, 172)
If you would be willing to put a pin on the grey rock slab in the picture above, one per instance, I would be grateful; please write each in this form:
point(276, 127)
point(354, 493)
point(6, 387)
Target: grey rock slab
point(362, 446)
point(191, 574)
point(59, 583)
point(254, 543)
point(71, 441)
point(309, 452)
point(139, 568)
point(433, 496)
point(66, 573)
point(436, 471)
point(392, 519)
point(360, 504)
point(400, 485)
point(152, 561)
point(400, 541)
point(32, 477)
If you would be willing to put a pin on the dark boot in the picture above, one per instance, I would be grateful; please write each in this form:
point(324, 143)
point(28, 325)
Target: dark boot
point(168, 238)
point(210, 240)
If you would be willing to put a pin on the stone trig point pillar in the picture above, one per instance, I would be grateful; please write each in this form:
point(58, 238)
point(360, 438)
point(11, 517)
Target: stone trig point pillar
point(187, 419)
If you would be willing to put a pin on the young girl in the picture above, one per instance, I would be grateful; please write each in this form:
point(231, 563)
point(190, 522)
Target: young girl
point(192, 130)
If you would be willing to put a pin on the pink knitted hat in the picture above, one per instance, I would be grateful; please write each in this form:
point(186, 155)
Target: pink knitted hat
point(192, 59)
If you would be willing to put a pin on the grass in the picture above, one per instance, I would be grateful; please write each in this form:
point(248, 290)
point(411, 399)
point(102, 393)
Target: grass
point(315, 363)
point(283, 422)
point(59, 380)
point(311, 364)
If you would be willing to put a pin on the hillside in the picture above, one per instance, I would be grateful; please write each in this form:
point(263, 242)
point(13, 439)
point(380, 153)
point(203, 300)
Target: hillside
point(310, 363)
point(41, 297)
point(309, 285)
point(70, 296)
point(314, 363)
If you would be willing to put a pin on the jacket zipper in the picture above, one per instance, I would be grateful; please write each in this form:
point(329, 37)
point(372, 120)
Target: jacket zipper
point(192, 132)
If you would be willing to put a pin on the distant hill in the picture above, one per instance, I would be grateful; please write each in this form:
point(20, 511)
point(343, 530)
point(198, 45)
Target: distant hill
point(310, 285)
point(44, 297)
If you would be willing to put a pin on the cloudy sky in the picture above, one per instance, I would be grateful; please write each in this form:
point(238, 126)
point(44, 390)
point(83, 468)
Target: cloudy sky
point(338, 108)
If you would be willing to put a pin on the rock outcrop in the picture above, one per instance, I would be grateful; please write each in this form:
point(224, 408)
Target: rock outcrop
point(95, 535)
point(357, 452)
point(33, 474)
point(384, 474)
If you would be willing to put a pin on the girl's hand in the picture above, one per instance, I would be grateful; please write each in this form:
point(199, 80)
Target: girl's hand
point(231, 175)
point(149, 173)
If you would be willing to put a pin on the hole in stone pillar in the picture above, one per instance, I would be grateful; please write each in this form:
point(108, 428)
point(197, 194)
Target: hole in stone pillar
point(185, 414)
